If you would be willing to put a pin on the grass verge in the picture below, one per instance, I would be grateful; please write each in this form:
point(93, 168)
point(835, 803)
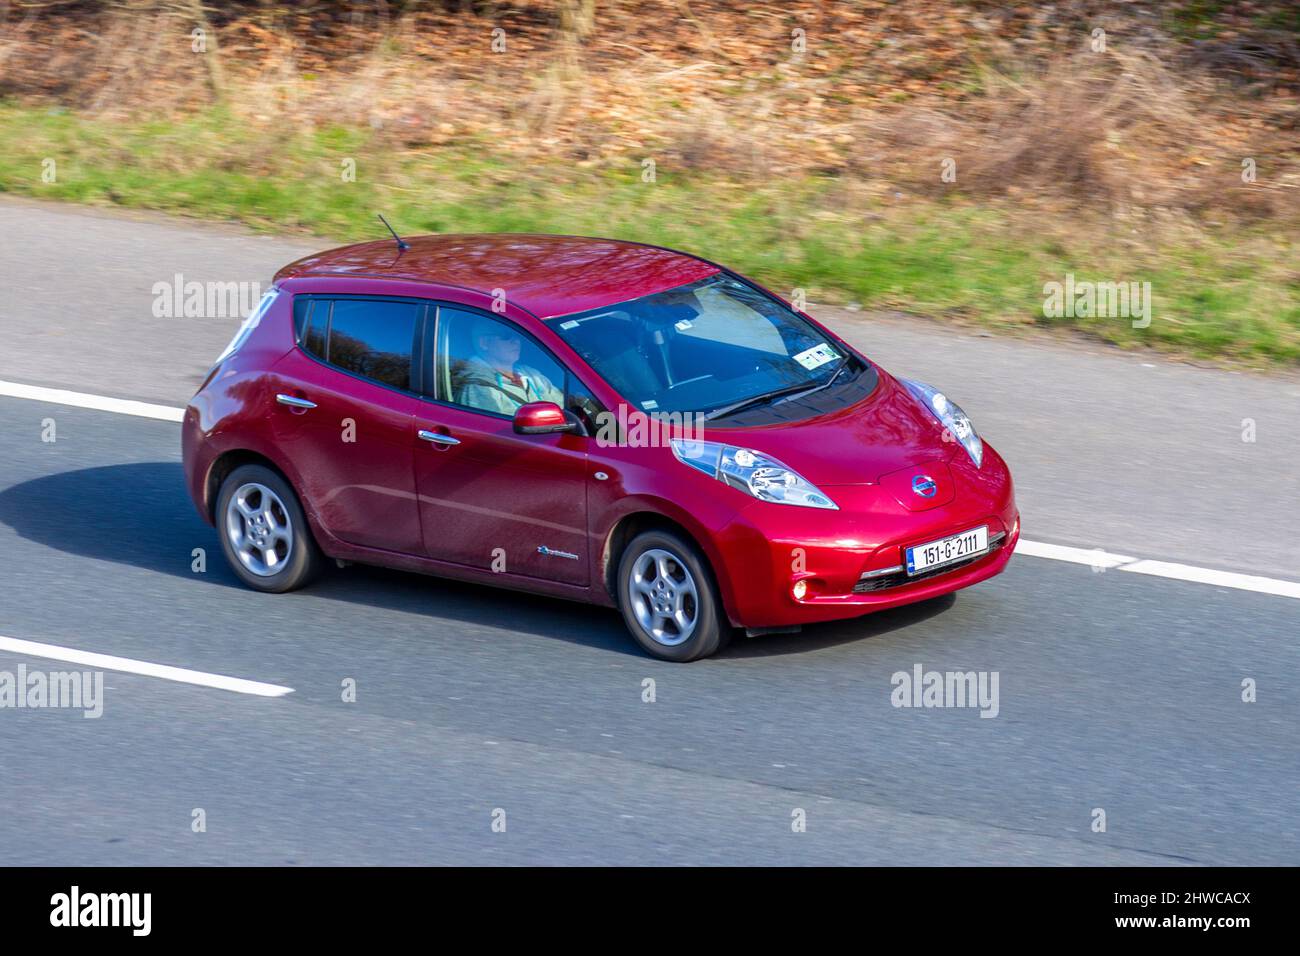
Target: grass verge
point(1226, 292)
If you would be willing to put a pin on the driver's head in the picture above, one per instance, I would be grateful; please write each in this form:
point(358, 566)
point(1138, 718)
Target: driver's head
point(497, 343)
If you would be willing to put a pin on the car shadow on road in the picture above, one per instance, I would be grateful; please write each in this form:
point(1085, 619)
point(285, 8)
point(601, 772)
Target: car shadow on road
point(138, 514)
point(816, 637)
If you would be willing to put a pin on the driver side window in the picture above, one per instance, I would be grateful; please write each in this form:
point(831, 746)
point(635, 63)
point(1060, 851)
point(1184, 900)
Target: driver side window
point(490, 365)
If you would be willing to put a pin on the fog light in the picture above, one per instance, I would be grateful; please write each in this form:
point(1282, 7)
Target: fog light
point(799, 590)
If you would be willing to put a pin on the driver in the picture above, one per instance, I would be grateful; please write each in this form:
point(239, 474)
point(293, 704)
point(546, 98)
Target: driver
point(495, 380)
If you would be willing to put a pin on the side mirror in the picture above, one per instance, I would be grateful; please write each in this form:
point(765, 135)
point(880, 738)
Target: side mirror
point(542, 418)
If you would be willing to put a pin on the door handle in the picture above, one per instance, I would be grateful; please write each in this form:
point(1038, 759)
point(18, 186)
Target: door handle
point(294, 401)
point(438, 438)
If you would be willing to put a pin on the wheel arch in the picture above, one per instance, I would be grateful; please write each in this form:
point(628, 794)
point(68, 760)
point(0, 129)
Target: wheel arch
point(227, 462)
point(634, 523)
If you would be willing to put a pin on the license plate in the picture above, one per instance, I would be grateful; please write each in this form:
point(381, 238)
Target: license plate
point(950, 550)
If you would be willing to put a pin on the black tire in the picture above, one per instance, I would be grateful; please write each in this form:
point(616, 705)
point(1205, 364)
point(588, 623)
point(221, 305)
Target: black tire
point(300, 561)
point(710, 631)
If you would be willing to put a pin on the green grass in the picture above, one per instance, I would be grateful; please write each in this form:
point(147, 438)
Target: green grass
point(1227, 294)
point(1196, 19)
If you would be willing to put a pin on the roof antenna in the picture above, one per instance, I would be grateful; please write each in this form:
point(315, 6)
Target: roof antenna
point(400, 243)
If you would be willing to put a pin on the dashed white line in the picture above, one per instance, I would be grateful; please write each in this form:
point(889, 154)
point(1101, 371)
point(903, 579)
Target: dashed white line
point(125, 664)
point(1223, 579)
point(1093, 557)
point(101, 403)
point(1106, 561)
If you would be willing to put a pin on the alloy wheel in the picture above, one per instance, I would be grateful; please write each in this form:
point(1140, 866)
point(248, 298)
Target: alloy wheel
point(665, 601)
point(259, 529)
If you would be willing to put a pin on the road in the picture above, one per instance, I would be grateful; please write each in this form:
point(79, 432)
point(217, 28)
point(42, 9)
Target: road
point(1118, 691)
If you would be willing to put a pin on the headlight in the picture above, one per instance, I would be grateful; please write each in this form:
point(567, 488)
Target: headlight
point(950, 416)
point(751, 471)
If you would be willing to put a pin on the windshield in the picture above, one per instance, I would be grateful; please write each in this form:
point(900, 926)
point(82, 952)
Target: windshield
point(701, 347)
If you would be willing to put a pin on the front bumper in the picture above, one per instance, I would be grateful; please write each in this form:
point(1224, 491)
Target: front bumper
point(767, 549)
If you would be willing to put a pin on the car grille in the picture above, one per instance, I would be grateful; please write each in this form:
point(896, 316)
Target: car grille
point(899, 578)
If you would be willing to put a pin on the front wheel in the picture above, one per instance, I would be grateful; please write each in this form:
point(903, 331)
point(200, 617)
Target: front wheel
point(668, 598)
point(264, 532)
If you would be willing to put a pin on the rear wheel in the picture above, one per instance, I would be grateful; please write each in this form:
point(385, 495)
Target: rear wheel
point(668, 598)
point(264, 532)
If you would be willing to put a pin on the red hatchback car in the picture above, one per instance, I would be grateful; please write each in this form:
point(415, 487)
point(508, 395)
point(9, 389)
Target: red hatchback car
point(603, 421)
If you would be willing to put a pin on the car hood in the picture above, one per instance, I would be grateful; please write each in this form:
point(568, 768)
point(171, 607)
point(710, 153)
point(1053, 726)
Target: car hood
point(885, 432)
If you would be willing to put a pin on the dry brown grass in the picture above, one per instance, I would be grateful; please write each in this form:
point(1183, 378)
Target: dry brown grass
point(883, 95)
point(1121, 132)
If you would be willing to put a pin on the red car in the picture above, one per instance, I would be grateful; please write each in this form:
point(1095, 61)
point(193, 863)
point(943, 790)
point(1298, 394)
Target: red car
point(603, 421)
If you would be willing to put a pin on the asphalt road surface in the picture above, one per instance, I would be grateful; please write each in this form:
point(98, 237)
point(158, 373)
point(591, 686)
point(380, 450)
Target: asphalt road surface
point(1117, 692)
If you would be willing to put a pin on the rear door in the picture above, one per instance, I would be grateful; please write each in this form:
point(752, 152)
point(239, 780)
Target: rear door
point(489, 498)
point(344, 414)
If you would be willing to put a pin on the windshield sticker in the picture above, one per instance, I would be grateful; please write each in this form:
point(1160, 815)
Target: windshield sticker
point(649, 405)
point(571, 324)
point(817, 355)
point(683, 325)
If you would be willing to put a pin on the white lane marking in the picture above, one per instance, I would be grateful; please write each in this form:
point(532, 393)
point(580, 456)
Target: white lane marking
point(1106, 561)
point(1093, 557)
point(85, 400)
point(1223, 579)
point(129, 666)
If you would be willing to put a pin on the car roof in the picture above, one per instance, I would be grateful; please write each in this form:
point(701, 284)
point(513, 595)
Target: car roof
point(546, 275)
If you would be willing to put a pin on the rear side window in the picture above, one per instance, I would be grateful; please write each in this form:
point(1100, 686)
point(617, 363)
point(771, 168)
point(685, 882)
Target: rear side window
point(367, 337)
point(249, 325)
point(301, 309)
point(318, 323)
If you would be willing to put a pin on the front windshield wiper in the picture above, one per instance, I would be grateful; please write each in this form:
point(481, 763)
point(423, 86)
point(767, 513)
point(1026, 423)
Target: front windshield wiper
point(844, 363)
point(755, 400)
point(786, 394)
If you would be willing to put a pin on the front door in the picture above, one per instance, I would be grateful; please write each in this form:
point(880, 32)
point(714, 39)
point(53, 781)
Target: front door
point(488, 497)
